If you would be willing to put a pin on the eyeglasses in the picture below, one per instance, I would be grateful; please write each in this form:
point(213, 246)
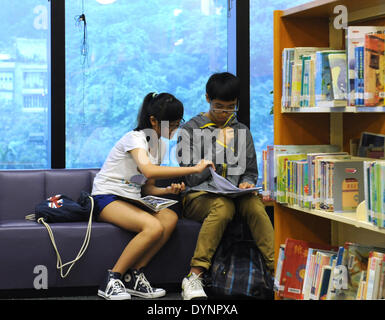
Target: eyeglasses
point(224, 110)
point(228, 109)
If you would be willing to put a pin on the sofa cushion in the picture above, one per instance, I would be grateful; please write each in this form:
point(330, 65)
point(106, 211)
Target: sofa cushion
point(20, 191)
point(25, 245)
point(69, 182)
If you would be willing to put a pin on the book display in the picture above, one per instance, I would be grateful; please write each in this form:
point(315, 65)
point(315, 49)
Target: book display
point(329, 91)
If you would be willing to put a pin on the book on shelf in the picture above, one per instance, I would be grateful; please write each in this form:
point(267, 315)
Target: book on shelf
point(326, 77)
point(374, 70)
point(355, 37)
point(323, 81)
point(310, 271)
point(298, 76)
point(371, 145)
point(373, 275)
point(294, 265)
point(359, 85)
point(325, 281)
point(361, 287)
point(311, 164)
point(278, 287)
point(355, 260)
point(313, 271)
point(277, 150)
point(322, 261)
point(153, 203)
point(374, 191)
point(337, 62)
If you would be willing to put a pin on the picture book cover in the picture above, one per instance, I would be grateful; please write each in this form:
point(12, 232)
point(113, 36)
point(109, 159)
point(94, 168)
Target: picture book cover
point(355, 37)
point(294, 265)
point(348, 185)
point(374, 70)
point(355, 260)
point(323, 82)
point(337, 63)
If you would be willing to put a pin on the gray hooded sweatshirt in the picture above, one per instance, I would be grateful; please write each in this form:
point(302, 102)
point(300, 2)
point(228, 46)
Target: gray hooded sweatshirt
point(237, 162)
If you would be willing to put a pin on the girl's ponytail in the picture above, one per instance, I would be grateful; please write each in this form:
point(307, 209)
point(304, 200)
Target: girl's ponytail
point(163, 106)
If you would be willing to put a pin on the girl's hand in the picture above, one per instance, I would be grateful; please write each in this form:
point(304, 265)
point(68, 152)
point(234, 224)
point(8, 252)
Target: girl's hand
point(176, 188)
point(203, 164)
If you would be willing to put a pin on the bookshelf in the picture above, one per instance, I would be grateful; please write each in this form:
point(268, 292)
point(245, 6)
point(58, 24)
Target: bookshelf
point(311, 25)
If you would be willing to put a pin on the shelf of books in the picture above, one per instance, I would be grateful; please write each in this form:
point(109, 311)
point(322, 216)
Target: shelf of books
point(326, 170)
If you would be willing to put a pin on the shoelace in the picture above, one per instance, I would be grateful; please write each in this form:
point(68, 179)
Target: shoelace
point(141, 279)
point(115, 286)
point(195, 282)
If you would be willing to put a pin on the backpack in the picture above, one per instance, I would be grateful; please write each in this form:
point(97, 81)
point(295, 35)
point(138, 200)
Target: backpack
point(238, 268)
point(61, 208)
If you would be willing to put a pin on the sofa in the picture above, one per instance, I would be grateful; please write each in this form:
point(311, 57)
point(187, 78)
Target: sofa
point(25, 245)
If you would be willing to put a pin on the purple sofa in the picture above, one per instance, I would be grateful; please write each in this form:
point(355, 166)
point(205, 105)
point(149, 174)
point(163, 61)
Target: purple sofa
point(26, 244)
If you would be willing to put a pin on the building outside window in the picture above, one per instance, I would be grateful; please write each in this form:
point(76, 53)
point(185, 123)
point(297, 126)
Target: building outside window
point(24, 78)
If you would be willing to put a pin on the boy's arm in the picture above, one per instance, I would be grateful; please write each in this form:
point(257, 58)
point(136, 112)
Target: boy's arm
point(185, 156)
point(251, 173)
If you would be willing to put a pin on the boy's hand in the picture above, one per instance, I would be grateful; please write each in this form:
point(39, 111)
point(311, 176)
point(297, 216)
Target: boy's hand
point(246, 185)
point(176, 188)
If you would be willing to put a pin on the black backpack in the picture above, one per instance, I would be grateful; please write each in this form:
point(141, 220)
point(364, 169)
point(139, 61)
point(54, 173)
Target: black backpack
point(238, 268)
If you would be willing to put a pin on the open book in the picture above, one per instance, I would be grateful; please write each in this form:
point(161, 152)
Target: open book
point(153, 203)
point(225, 187)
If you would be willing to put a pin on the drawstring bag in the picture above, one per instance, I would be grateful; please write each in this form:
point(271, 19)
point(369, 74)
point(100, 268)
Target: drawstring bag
point(61, 208)
point(238, 269)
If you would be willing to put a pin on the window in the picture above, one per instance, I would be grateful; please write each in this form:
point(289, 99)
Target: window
point(261, 71)
point(24, 78)
point(127, 55)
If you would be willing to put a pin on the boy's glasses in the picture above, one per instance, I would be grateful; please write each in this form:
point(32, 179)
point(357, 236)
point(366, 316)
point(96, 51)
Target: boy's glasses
point(230, 111)
point(219, 108)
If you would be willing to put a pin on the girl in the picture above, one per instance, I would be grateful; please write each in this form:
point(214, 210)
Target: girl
point(131, 167)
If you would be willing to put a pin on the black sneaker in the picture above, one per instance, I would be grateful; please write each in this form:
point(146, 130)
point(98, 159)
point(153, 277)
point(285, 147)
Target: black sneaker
point(137, 285)
point(113, 288)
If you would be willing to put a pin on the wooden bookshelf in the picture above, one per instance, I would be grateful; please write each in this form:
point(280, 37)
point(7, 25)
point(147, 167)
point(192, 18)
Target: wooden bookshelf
point(311, 25)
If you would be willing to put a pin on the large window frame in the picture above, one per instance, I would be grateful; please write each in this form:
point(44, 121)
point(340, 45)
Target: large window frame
point(238, 63)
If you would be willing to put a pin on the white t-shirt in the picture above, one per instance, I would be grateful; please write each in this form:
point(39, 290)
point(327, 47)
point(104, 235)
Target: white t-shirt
point(120, 174)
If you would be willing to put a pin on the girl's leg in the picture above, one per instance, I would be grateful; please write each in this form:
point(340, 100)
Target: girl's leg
point(132, 218)
point(168, 220)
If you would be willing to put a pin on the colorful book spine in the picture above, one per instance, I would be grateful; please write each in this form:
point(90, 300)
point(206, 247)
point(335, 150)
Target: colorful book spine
point(374, 69)
point(359, 78)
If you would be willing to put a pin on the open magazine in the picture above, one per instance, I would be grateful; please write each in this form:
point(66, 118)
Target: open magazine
point(225, 187)
point(153, 203)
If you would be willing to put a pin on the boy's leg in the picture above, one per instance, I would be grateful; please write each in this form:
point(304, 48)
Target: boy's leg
point(253, 211)
point(215, 212)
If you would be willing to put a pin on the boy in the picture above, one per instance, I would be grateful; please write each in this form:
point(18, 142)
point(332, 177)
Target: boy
point(229, 144)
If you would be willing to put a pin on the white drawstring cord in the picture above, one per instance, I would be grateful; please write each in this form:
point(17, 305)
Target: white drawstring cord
point(59, 264)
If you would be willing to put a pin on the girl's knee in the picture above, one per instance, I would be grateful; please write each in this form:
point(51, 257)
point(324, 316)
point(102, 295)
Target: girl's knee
point(153, 229)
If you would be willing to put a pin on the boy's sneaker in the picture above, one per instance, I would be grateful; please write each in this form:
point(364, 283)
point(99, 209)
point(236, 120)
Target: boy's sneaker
point(113, 288)
point(137, 285)
point(192, 288)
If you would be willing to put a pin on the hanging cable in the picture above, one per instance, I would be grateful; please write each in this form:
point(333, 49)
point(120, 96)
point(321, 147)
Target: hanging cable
point(81, 23)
